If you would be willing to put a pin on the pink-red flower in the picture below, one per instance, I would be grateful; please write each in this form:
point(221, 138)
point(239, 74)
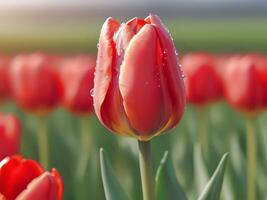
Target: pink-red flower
point(245, 82)
point(203, 82)
point(23, 179)
point(34, 83)
point(77, 80)
point(138, 85)
point(4, 85)
point(9, 135)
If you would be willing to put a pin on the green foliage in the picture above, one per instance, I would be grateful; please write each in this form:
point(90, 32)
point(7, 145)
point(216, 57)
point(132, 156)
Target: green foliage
point(200, 171)
point(68, 36)
point(167, 185)
point(213, 188)
point(112, 188)
point(227, 134)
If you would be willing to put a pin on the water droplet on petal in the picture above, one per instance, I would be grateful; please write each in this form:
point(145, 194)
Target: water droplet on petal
point(92, 92)
point(165, 51)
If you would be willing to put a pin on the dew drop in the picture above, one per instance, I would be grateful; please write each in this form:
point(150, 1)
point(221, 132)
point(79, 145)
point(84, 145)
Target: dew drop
point(92, 92)
point(165, 51)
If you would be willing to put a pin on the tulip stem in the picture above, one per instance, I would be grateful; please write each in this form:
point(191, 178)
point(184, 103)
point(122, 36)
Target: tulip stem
point(203, 129)
point(146, 169)
point(251, 158)
point(43, 145)
point(85, 142)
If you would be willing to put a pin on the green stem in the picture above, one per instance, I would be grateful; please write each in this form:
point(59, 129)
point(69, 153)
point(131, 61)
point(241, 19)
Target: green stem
point(2, 105)
point(43, 144)
point(251, 159)
point(145, 162)
point(203, 129)
point(85, 141)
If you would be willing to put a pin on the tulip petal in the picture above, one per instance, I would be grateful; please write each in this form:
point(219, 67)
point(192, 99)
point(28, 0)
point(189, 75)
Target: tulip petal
point(77, 81)
point(243, 84)
point(4, 78)
point(103, 71)
point(10, 135)
point(26, 78)
point(200, 70)
point(59, 182)
point(112, 110)
point(43, 187)
point(15, 174)
point(172, 71)
point(139, 82)
point(2, 197)
point(136, 24)
point(167, 102)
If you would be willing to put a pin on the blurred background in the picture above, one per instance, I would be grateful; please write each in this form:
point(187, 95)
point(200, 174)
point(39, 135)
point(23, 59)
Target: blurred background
point(72, 27)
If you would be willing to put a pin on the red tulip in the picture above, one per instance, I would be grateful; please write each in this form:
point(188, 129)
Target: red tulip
point(4, 86)
point(24, 179)
point(9, 135)
point(34, 83)
point(245, 82)
point(139, 88)
point(77, 79)
point(203, 83)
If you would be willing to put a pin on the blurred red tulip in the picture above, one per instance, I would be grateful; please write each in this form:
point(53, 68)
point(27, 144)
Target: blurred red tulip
point(77, 80)
point(139, 89)
point(23, 179)
point(4, 86)
point(203, 83)
point(9, 135)
point(245, 82)
point(34, 83)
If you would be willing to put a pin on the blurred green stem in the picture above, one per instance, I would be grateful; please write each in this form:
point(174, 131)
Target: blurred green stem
point(146, 170)
point(43, 145)
point(251, 158)
point(203, 131)
point(85, 141)
point(2, 105)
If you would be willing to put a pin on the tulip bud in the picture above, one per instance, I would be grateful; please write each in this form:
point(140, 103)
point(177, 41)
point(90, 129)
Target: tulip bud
point(9, 135)
point(138, 85)
point(34, 83)
point(245, 82)
point(4, 86)
point(23, 179)
point(77, 80)
point(203, 83)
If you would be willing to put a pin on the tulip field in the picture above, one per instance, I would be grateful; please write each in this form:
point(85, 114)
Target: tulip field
point(134, 120)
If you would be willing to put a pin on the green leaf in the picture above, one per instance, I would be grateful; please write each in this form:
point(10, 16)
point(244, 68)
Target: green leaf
point(167, 186)
point(112, 188)
point(200, 171)
point(213, 188)
point(237, 168)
